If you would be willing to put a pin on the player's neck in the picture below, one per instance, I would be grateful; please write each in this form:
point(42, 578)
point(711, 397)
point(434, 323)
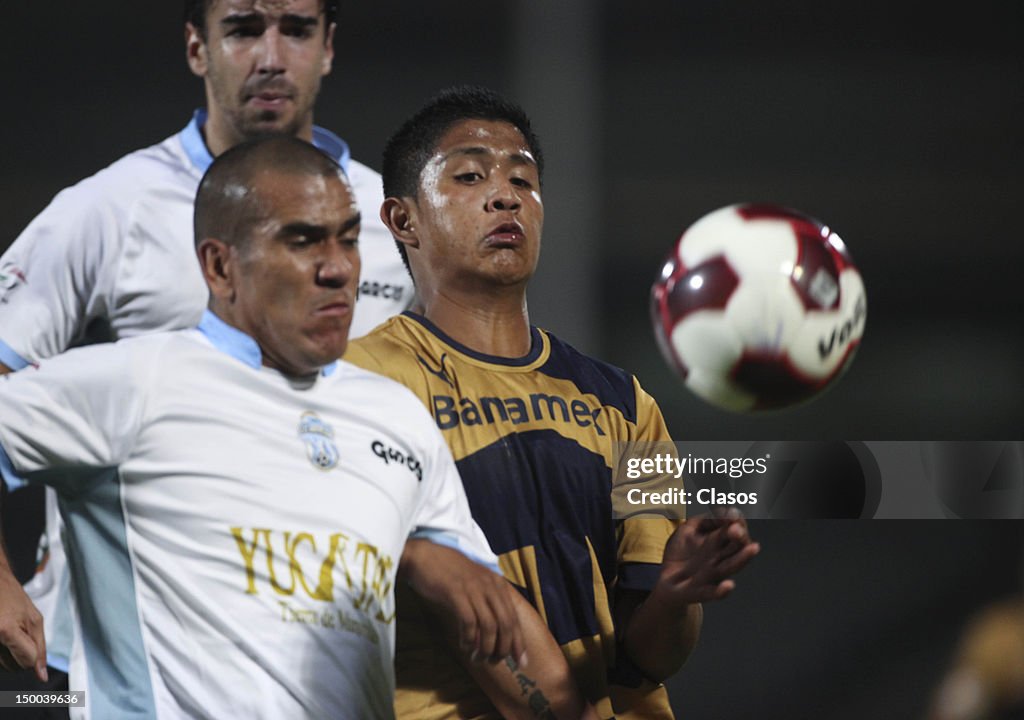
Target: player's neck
point(501, 329)
point(220, 135)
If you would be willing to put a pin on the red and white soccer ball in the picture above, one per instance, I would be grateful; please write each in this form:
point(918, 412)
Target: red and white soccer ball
point(758, 307)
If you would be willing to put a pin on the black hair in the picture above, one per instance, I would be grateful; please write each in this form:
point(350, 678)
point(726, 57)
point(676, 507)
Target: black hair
point(410, 148)
point(196, 10)
point(226, 203)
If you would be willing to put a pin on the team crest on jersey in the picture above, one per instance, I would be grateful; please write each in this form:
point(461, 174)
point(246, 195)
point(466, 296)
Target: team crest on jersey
point(10, 278)
point(318, 437)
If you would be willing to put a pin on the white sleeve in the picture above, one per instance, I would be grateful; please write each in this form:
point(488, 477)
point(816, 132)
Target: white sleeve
point(443, 514)
point(75, 413)
point(51, 277)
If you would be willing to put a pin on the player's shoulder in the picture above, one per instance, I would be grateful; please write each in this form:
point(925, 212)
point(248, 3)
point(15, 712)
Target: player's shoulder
point(366, 182)
point(362, 172)
point(164, 345)
point(611, 384)
point(127, 359)
point(391, 342)
point(154, 170)
point(380, 394)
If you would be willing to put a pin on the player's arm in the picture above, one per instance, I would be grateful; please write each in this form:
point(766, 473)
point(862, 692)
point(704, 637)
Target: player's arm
point(22, 641)
point(660, 629)
point(537, 685)
point(495, 632)
point(475, 604)
point(57, 274)
point(444, 515)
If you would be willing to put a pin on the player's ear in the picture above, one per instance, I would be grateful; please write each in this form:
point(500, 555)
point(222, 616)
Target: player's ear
point(398, 216)
point(217, 262)
point(195, 50)
point(325, 67)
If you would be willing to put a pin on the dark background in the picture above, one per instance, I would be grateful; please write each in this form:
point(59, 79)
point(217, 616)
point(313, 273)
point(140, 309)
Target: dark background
point(897, 123)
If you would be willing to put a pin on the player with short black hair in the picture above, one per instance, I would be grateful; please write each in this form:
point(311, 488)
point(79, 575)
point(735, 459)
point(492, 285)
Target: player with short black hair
point(408, 149)
point(533, 424)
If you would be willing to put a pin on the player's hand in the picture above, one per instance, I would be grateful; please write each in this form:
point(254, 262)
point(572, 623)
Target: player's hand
point(474, 601)
point(702, 556)
point(22, 642)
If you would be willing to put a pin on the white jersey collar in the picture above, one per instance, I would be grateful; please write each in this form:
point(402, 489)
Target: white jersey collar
point(232, 341)
point(195, 147)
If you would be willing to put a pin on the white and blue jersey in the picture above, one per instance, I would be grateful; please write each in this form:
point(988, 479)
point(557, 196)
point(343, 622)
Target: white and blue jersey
point(113, 257)
point(234, 534)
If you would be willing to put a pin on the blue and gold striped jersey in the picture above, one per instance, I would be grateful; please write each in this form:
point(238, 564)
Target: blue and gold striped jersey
point(533, 439)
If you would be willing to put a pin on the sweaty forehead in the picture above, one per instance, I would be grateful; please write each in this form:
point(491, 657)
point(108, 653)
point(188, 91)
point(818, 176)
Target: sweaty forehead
point(474, 136)
point(294, 194)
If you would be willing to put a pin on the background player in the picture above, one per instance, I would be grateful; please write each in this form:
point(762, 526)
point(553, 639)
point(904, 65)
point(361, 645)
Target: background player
point(532, 422)
point(112, 257)
point(187, 460)
point(986, 677)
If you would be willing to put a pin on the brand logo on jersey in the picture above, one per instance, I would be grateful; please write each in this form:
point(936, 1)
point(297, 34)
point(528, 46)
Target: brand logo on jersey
point(440, 372)
point(10, 278)
point(390, 455)
point(538, 407)
point(318, 437)
point(372, 288)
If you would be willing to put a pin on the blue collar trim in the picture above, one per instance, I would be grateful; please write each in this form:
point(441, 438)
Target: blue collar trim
point(195, 146)
point(232, 341)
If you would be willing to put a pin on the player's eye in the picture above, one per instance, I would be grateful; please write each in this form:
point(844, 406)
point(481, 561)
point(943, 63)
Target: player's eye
point(521, 182)
point(299, 30)
point(303, 240)
point(245, 30)
point(471, 176)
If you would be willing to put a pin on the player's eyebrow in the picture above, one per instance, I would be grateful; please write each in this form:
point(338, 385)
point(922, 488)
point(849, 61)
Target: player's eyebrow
point(351, 223)
point(236, 19)
point(250, 18)
point(315, 230)
point(300, 20)
point(518, 158)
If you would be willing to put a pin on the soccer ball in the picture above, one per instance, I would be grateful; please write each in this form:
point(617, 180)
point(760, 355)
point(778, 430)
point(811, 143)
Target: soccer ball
point(758, 307)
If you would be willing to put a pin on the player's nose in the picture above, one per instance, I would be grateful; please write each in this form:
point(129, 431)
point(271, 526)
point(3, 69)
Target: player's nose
point(338, 266)
point(270, 52)
point(504, 196)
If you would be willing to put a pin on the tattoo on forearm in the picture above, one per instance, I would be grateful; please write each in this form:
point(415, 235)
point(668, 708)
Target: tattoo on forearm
point(538, 704)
